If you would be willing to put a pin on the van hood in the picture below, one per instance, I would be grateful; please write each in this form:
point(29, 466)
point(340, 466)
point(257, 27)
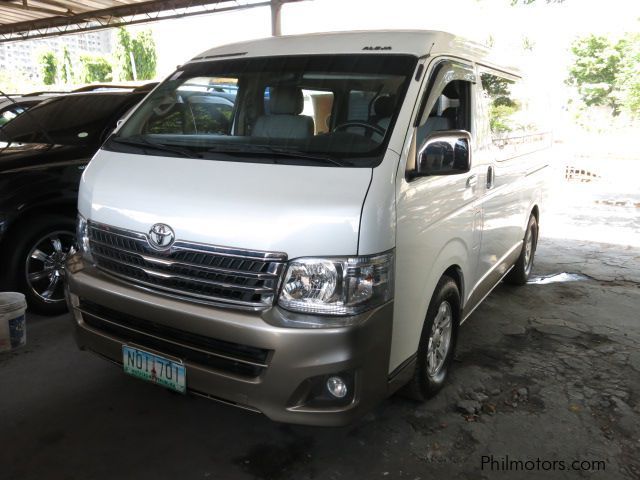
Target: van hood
point(298, 210)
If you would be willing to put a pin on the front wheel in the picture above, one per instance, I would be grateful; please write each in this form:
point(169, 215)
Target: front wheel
point(437, 342)
point(36, 255)
point(521, 270)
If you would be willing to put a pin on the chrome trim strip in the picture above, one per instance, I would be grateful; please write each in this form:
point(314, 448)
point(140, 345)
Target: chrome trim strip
point(195, 247)
point(187, 278)
point(115, 243)
point(163, 339)
point(188, 297)
point(168, 262)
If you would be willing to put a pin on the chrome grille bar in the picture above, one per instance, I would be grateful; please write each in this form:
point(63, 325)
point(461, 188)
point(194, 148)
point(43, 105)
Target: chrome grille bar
point(218, 275)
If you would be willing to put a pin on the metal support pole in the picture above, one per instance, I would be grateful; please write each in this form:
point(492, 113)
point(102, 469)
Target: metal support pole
point(276, 24)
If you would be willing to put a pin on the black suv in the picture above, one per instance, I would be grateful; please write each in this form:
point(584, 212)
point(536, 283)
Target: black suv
point(43, 153)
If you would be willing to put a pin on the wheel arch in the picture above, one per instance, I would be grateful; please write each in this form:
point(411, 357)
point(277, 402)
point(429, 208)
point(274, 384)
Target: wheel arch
point(456, 273)
point(24, 215)
point(535, 211)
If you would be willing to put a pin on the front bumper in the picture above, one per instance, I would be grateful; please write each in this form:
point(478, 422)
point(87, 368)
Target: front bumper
point(279, 386)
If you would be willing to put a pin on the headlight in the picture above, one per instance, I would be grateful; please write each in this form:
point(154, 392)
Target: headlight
point(338, 286)
point(82, 236)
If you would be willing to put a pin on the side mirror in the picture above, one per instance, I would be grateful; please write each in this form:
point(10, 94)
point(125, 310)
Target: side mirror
point(444, 153)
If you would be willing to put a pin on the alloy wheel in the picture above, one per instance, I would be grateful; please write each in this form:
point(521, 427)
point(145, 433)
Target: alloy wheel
point(45, 265)
point(440, 339)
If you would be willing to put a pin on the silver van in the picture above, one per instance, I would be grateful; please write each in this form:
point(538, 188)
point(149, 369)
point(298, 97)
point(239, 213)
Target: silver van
point(299, 225)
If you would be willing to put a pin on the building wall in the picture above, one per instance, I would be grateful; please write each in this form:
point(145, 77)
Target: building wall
point(22, 57)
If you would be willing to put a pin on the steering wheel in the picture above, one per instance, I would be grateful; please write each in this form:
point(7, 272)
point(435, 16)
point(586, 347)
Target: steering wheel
point(379, 130)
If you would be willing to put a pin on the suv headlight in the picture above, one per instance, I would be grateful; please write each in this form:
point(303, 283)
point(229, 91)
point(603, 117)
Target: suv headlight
point(82, 237)
point(338, 286)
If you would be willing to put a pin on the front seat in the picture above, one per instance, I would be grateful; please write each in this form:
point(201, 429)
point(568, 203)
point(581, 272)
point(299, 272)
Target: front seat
point(383, 108)
point(437, 119)
point(284, 119)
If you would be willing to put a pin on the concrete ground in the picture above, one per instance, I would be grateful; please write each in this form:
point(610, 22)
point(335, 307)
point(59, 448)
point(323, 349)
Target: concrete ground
point(546, 372)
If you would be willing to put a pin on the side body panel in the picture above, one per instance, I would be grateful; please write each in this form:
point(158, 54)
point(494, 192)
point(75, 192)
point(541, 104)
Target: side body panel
point(442, 222)
point(511, 186)
point(37, 178)
point(500, 199)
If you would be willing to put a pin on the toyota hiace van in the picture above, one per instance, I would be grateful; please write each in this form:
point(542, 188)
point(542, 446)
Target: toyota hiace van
point(310, 241)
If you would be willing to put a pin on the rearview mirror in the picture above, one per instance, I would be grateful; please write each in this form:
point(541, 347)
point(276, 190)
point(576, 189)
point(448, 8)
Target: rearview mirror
point(444, 153)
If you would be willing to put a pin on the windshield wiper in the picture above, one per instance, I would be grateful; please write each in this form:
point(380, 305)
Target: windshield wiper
point(139, 141)
point(281, 152)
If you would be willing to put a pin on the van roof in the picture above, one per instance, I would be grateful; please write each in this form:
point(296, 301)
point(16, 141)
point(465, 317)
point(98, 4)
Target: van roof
point(413, 42)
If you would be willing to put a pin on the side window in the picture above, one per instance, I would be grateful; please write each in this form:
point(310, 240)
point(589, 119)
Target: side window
point(170, 120)
point(511, 112)
point(10, 114)
point(452, 111)
point(211, 116)
point(501, 106)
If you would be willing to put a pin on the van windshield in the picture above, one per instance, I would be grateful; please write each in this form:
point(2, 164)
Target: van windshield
point(335, 110)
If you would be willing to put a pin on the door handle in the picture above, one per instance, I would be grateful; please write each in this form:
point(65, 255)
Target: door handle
point(472, 181)
point(490, 177)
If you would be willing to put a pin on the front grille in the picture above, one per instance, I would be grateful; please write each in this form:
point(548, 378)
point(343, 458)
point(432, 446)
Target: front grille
point(219, 275)
point(235, 358)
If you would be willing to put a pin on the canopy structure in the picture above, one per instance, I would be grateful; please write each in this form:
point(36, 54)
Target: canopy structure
point(26, 19)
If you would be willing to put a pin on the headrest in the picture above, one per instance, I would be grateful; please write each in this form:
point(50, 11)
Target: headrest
point(285, 100)
point(442, 104)
point(383, 106)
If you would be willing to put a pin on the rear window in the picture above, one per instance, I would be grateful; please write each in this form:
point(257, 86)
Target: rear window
point(69, 120)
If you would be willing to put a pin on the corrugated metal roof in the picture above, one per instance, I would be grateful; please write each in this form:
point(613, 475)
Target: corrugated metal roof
point(22, 19)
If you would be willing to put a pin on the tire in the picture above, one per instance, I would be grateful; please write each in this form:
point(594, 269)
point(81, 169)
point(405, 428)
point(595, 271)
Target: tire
point(35, 253)
point(430, 376)
point(521, 270)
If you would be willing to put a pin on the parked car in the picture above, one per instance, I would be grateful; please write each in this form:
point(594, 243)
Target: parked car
point(307, 266)
point(44, 154)
point(13, 106)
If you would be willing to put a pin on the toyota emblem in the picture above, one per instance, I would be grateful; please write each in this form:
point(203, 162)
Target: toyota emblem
point(161, 236)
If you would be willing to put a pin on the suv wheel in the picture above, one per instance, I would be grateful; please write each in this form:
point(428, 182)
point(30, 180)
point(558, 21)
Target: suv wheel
point(36, 254)
point(437, 342)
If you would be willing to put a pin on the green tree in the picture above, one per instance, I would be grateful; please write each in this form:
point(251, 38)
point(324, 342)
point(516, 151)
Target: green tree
point(135, 57)
point(49, 68)
point(627, 81)
point(95, 68)
point(607, 73)
point(67, 69)
point(144, 53)
point(594, 71)
point(500, 120)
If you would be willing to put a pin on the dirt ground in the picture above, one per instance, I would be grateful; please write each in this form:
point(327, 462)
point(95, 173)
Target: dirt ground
point(545, 375)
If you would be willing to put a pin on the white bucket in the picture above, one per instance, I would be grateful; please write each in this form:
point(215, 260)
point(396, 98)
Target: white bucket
point(13, 327)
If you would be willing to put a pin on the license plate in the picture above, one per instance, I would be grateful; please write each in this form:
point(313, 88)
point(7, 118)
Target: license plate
point(154, 368)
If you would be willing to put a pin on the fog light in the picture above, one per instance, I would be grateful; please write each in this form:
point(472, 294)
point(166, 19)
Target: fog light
point(337, 387)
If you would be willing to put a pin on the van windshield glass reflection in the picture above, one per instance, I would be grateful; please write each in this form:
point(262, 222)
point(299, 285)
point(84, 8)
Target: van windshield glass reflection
point(334, 110)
